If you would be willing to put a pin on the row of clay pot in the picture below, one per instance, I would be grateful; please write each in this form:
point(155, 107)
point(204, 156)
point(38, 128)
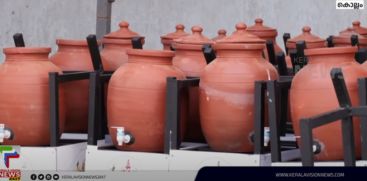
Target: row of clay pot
point(226, 94)
point(136, 92)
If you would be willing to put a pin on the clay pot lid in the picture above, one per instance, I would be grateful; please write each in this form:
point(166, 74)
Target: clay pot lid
point(260, 30)
point(222, 33)
point(345, 36)
point(119, 41)
point(196, 38)
point(241, 36)
point(180, 32)
point(123, 33)
point(26, 50)
point(312, 41)
point(349, 32)
point(151, 53)
point(60, 41)
point(358, 28)
point(330, 51)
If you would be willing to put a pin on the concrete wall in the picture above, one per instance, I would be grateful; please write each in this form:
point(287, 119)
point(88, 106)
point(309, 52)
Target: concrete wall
point(42, 21)
point(154, 18)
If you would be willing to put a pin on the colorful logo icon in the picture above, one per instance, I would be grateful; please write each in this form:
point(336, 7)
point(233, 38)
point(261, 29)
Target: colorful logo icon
point(9, 152)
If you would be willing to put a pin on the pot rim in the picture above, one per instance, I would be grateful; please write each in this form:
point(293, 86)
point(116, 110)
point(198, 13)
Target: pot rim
point(333, 51)
point(309, 45)
point(26, 50)
point(79, 42)
point(238, 46)
point(151, 53)
point(120, 41)
point(181, 46)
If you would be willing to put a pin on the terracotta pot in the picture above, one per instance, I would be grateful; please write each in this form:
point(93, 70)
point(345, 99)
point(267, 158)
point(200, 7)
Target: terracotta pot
point(359, 29)
point(24, 95)
point(190, 59)
point(115, 45)
point(312, 41)
point(227, 91)
point(167, 39)
point(137, 98)
point(188, 55)
point(222, 33)
point(265, 33)
point(344, 38)
point(312, 93)
point(73, 55)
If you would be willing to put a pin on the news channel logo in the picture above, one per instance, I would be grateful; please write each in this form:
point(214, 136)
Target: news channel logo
point(9, 153)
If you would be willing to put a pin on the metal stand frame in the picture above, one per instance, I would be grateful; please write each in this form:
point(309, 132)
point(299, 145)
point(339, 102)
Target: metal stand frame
point(278, 100)
point(209, 53)
point(55, 79)
point(278, 113)
point(97, 117)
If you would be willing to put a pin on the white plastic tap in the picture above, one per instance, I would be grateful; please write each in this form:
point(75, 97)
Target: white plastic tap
point(121, 136)
point(266, 136)
point(5, 133)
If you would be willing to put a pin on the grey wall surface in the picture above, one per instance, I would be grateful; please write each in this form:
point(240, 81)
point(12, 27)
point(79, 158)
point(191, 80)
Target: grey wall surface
point(42, 21)
point(153, 18)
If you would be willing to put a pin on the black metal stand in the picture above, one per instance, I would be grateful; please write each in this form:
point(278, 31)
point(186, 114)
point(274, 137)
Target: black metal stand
point(278, 113)
point(209, 53)
point(278, 102)
point(18, 40)
point(259, 121)
point(298, 58)
point(276, 59)
point(329, 41)
point(282, 65)
point(343, 113)
point(54, 80)
point(286, 37)
point(137, 42)
point(174, 89)
point(97, 117)
point(354, 40)
point(361, 55)
point(271, 52)
point(362, 90)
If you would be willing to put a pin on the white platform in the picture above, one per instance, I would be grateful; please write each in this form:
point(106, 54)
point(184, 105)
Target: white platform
point(116, 160)
point(183, 159)
point(194, 160)
point(69, 157)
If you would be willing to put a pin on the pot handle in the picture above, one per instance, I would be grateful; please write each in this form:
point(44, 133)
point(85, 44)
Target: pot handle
point(209, 53)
